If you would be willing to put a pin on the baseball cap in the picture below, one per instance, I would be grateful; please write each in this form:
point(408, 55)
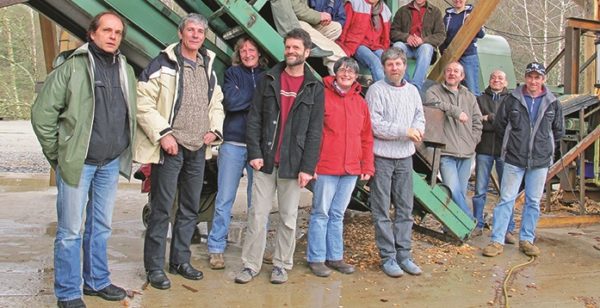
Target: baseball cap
point(535, 67)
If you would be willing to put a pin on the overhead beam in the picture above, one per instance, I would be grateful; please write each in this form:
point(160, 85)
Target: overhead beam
point(465, 35)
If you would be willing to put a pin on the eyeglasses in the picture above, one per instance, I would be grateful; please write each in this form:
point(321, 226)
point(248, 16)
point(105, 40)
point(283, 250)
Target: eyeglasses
point(344, 70)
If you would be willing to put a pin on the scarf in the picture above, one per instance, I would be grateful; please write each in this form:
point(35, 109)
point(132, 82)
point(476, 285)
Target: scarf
point(376, 10)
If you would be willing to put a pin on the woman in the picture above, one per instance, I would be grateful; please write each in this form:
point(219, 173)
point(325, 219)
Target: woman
point(346, 154)
point(454, 19)
point(240, 82)
point(366, 33)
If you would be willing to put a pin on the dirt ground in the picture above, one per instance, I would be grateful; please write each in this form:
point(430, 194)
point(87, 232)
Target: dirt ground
point(567, 274)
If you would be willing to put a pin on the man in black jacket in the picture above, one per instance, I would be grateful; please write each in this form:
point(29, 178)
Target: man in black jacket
point(283, 139)
point(530, 121)
point(488, 150)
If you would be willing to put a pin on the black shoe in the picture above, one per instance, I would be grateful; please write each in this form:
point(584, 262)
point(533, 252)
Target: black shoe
point(110, 293)
point(74, 303)
point(186, 270)
point(158, 279)
point(317, 52)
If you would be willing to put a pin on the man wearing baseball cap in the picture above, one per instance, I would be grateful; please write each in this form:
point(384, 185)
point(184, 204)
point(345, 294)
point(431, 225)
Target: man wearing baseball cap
point(530, 121)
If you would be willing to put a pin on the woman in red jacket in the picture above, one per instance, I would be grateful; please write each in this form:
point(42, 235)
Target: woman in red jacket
point(346, 154)
point(366, 33)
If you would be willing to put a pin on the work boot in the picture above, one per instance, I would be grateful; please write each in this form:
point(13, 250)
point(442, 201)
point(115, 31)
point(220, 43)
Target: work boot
point(319, 269)
point(317, 52)
point(74, 303)
point(245, 276)
point(279, 275)
point(340, 266)
point(158, 279)
point(216, 261)
point(109, 293)
point(510, 238)
point(477, 232)
point(186, 270)
point(493, 249)
point(528, 248)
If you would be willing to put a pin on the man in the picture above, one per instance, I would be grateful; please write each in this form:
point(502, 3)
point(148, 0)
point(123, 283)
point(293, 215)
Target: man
point(462, 128)
point(488, 150)
point(418, 30)
point(530, 120)
point(180, 116)
point(84, 119)
point(398, 123)
point(283, 139)
point(319, 25)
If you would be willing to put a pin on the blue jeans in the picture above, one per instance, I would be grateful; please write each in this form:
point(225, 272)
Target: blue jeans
point(95, 194)
point(471, 67)
point(512, 176)
point(392, 184)
point(455, 174)
point(371, 59)
point(232, 160)
point(484, 164)
point(331, 195)
point(423, 56)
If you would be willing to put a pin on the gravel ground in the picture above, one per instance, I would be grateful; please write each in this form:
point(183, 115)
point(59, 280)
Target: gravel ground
point(20, 151)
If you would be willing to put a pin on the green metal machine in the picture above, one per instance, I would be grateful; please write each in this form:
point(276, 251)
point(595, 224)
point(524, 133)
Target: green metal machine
point(152, 26)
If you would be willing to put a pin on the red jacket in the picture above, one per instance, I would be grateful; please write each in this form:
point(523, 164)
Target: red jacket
point(347, 143)
point(358, 29)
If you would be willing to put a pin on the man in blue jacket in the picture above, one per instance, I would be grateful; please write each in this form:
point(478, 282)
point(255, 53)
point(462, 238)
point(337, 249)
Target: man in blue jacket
point(530, 121)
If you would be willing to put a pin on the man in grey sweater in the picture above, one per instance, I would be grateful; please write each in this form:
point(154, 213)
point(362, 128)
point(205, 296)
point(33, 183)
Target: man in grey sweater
point(398, 122)
point(462, 128)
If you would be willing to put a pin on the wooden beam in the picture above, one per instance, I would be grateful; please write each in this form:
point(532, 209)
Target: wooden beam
point(584, 24)
point(567, 221)
point(571, 71)
point(463, 38)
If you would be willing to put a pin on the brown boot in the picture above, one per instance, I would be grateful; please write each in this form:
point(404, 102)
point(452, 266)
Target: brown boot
point(529, 249)
point(319, 269)
point(510, 238)
point(216, 261)
point(493, 249)
point(340, 266)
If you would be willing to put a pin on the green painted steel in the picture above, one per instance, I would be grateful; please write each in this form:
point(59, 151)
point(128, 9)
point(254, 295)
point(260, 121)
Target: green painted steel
point(437, 201)
point(494, 53)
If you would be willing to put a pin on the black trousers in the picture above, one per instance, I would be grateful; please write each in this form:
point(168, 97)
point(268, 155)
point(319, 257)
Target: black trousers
point(182, 173)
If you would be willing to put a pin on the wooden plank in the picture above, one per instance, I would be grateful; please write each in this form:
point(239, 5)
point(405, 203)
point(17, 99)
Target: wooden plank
point(585, 24)
point(567, 221)
point(463, 38)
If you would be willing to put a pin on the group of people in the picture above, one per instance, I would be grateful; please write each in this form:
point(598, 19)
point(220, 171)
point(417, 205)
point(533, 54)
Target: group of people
point(283, 126)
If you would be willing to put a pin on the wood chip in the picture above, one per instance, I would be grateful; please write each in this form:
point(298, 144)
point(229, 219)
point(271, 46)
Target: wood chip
point(189, 288)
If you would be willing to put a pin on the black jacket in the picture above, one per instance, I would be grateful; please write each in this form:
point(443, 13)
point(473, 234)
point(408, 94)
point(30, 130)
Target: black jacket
point(526, 144)
point(302, 134)
point(490, 143)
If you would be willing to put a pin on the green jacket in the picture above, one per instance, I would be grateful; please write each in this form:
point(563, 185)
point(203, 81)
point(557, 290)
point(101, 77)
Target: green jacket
point(63, 114)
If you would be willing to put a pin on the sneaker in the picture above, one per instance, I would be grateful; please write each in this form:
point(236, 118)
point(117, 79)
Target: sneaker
point(510, 238)
point(493, 249)
point(340, 266)
point(391, 268)
point(477, 232)
point(319, 269)
point(528, 248)
point(245, 276)
point(410, 267)
point(278, 275)
point(216, 261)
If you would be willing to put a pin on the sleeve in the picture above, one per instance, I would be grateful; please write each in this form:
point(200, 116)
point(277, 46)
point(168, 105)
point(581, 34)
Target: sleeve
point(46, 110)
point(396, 31)
point(216, 115)
point(476, 125)
point(340, 13)
point(235, 97)
point(382, 128)
point(367, 159)
point(438, 35)
point(501, 118)
point(418, 121)
point(558, 125)
point(305, 13)
point(432, 99)
point(312, 145)
point(152, 123)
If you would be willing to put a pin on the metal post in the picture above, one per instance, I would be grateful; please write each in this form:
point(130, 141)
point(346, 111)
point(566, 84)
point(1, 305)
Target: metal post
point(582, 133)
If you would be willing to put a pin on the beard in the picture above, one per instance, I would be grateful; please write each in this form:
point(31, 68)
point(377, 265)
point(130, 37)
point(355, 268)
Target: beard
point(299, 60)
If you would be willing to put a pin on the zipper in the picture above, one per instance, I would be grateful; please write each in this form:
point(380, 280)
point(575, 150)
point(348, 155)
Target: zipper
point(91, 73)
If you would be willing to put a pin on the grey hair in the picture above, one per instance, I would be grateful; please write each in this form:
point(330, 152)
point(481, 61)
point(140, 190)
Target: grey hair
point(194, 18)
point(346, 62)
point(393, 53)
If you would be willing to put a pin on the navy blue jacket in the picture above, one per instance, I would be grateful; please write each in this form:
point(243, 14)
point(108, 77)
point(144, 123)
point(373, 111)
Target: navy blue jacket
point(333, 7)
point(238, 90)
point(453, 22)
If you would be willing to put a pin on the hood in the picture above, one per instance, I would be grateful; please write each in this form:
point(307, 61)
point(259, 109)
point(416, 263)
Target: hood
point(328, 82)
point(489, 91)
point(468, 9)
